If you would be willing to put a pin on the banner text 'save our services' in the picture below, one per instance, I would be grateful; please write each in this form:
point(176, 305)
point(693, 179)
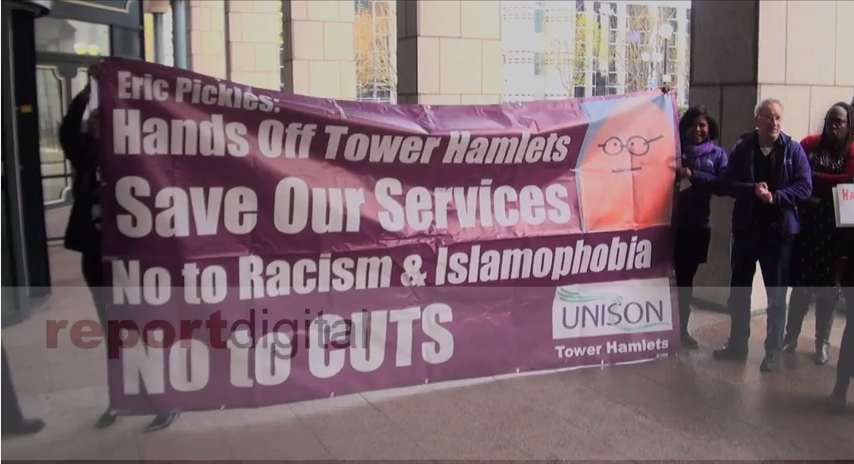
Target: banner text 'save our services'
point(373, 245)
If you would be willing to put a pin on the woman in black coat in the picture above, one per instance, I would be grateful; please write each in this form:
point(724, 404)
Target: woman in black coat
point(79, 140)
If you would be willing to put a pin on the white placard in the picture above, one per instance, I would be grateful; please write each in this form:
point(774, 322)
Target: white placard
point(843, 204)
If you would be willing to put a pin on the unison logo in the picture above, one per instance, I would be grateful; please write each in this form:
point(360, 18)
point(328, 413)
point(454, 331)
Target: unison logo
point(612, 308)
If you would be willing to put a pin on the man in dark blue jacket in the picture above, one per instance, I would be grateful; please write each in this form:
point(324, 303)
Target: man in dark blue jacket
point(768, 174)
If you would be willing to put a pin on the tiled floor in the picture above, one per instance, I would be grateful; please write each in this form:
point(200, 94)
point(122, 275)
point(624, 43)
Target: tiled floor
point(686, 408)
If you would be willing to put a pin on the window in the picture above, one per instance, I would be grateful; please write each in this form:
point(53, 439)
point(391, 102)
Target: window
point(374, 36)
point(612, 54)
point(51, 94)
point(538, 64)
point(375, 93)
point(74, 37)
point(126, 43)
point(539, 16)
point(579, 51)
point(599, 84)
point(687, 52)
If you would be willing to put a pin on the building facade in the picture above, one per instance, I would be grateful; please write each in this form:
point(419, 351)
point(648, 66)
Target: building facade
point(563, 49)
point(549, 49)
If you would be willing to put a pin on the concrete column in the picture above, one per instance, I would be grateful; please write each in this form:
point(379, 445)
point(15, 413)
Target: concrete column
point(180, 33)
point(449, 52)
point(206, 21)
point(808, 79)
point(318, 56)
point(158, 9)
point(254, 40)
point(731, 71)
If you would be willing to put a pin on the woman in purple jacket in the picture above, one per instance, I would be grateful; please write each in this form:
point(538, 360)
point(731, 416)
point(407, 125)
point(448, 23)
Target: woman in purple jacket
point(703, 164)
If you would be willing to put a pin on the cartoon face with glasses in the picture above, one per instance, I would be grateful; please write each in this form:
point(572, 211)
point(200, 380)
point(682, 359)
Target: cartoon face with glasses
point(627, 174)
point(637, 145)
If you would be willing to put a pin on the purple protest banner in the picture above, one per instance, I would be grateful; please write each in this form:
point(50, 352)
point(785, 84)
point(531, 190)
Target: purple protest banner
point(265, 248)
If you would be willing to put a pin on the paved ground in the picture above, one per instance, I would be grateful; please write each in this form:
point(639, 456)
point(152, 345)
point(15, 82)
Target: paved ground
point(686, 408)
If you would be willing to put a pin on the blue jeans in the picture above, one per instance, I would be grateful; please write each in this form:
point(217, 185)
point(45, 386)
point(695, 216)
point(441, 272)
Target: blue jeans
point(773, 254)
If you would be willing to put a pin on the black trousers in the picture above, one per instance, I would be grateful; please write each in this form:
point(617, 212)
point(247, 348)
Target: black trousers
point(845, 367)
point(773, 254)
point(93, 273)
point(826, 301)
point(692, 249)
point(12, 415)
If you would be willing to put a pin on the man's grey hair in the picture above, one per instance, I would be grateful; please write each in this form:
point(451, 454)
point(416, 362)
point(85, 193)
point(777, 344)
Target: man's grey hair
point(766, 103)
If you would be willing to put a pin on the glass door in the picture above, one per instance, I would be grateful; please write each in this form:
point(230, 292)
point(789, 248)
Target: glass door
point(65, 49)
point(57, 83)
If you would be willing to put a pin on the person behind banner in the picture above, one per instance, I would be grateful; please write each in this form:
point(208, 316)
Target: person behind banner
point(703, 164)
point(78, 139)
point(815, 254)
point(768, 174)
point(845, 366)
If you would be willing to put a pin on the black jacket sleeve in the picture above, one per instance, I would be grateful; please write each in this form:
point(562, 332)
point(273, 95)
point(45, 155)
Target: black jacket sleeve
point(70, 133)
